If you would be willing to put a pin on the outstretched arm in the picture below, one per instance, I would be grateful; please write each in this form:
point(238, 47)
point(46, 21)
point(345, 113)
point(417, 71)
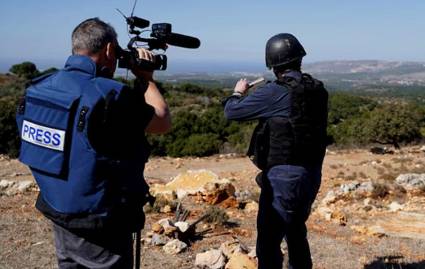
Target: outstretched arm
point(161, 120)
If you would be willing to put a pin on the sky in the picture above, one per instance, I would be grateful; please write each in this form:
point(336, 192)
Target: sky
point(232, 32)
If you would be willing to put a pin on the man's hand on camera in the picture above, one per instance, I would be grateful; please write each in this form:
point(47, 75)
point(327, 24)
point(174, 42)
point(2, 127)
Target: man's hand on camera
point(144, 54)
point(241, 86)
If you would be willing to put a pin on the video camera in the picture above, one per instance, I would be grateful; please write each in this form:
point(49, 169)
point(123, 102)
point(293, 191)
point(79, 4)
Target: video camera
point(160, 37)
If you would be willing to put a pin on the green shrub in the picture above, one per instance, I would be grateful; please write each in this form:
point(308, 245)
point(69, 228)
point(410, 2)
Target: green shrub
point(9, 140)
point(26, 70)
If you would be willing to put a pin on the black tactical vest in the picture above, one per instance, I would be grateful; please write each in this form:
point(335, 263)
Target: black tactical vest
point(299, 139)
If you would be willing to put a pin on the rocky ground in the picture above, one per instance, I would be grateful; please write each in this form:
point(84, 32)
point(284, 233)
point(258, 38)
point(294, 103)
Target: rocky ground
point(366, 214)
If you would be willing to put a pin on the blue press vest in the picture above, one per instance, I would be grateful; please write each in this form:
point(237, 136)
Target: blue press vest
point(73, 177)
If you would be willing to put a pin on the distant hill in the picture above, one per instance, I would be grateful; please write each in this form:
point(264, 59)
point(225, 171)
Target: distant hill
point(369, 72)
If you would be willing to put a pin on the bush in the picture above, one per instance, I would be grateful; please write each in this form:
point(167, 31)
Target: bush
point(216, 215)
point(9, 140)
point(26, 70)
point(393, 124)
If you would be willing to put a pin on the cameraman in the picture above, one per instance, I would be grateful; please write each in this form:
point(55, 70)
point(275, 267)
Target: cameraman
point(83, 136)
point(288, 145)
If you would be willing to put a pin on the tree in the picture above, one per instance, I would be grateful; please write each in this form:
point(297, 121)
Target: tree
point(27, 70)
point(393, 124)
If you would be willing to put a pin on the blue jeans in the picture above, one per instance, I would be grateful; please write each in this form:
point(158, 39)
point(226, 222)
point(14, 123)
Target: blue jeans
point(287, 194)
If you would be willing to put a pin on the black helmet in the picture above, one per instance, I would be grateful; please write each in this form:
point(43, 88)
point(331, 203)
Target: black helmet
point(282, 49)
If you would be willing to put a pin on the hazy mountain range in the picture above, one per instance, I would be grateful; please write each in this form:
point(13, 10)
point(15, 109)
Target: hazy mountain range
point(343, 74)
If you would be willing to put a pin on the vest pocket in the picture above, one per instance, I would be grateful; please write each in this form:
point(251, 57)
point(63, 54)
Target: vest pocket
point(46, 129)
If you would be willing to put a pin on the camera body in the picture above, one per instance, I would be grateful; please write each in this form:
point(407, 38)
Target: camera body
point(129, 59)
point(161, 36)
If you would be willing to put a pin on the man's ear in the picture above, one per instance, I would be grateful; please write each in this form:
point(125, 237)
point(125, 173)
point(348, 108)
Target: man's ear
point(110, 50)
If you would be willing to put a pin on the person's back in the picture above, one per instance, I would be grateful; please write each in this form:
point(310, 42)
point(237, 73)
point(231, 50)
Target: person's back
point(288, 145)
point(83, 137)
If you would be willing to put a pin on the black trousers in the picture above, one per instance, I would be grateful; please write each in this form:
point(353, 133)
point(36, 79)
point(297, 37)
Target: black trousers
point(93, 248)
point(287, 193)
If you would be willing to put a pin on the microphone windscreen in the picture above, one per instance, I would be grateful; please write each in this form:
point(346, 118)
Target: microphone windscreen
point(183, 41)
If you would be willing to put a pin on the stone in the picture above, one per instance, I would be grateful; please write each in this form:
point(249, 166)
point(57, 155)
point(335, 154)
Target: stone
point(4, 184)
point(166, 209)
point(26, 185)
point(241, 261)
point(165, 223)
point(394, 206)
point(251, 207)
point(187, 183)
point(174, 247)
point(169, 231)
point(339, 217)
point(400, 224)
point(230, 247)
point(182, 226)
point(157, 228)
point(411, 181)
point(346, 188)
point(365, 187)
point(325, 212)
point(230, 202)
point(159, 240)
point(330, 198)
point(366, 201)
point(253, 253)
point(211, 259)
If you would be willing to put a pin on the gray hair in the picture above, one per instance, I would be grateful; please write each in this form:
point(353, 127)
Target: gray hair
point(92, 35)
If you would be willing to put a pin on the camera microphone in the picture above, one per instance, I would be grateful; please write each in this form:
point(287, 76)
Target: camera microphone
point(184, 41)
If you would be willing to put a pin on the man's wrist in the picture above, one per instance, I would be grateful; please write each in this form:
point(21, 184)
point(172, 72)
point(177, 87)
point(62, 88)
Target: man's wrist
point(237, 93)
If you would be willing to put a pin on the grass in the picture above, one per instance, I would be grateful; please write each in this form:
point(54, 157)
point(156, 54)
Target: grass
point(216, 215)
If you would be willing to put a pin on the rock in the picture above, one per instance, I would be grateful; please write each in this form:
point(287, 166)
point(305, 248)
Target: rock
point(212, 259)
point(188, 183)
point(422, 149)
point(174, 247)
point(253, 253)
point(400, 224)
point(159, 240)
point(366, 201)
point(182, 226)
point(381, 150)
point(166, 209)
point(230, 202)
point(157, 228)
point(330, 198)
point(251, 207)
point(325, 212)
point(230, 247)
point(339, 217)
point(241, 261)
point(165, 223)
point(169, 231)
point(346, 188)
point(411, 181)
point(24, 186)
point(217, 192)
point(394, 206)
point(4, 184)
point(365, 187)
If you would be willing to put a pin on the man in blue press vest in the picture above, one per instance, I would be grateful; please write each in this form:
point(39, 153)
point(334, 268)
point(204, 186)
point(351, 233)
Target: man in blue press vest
point(83, 136)
point(288, 145)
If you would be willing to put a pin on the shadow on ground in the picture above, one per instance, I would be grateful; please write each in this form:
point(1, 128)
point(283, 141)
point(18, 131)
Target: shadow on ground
point(393, 262)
